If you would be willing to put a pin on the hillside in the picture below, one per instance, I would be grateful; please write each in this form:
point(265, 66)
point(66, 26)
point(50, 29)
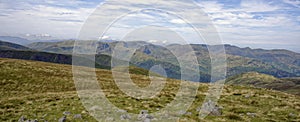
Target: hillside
point(290, 85)
point(11, 46)
point(16, 40)
point(278, 63)
point(43, 91)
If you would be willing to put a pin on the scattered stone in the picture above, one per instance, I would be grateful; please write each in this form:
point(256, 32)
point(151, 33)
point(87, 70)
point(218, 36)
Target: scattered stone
point(247, 96)
point(292, 115)
point(144, 116)
point(62, 119)
point(251, 114)
point(77, 116)
point(144, 112)
point(147, 120)
point(149, 116)
point(34, 120)
point(211, 107)
point(66, 113)
point(216, 111)
point(22, 119)
point(122, 111)
point(125, 117)
point(188, 113)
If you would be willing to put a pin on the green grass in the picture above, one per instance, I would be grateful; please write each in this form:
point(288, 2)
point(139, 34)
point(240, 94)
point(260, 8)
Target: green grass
point(34, 89)
point(289, 85)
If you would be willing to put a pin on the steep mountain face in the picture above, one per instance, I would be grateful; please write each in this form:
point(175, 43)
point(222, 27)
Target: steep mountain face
point(11, 46)
point(290, 85)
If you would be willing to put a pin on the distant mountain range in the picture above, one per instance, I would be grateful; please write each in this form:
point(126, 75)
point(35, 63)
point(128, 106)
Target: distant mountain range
point(16, 40)
point(278, 63)
point(26, 41)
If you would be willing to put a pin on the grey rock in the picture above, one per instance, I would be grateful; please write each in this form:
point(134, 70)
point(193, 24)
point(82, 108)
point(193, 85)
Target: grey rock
point(144, 116)
point(144, 112)
point(211, 107)
point(77, 116)
point(62, 119)
point(66, 113)
point(34, 120)
point(216, 111)
point(22, 119)
point(121, 111)
point(292, 115)
point(188, 113)
point(148, 116)
point(147, 120)
point(125, 117)
point(251, 114)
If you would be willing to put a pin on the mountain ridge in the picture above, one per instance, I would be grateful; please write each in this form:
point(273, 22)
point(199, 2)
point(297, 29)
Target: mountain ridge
point(281, 63)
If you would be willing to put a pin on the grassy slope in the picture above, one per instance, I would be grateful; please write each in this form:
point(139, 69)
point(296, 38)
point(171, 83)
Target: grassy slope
point(291, 85)
point(34, 89)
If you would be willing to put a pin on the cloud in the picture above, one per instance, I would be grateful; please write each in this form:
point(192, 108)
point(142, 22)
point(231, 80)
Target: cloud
point(295, 3)
point(255, 22)
point(177, 21)
point(42, 17)
point(258, 6)
point(260, 21)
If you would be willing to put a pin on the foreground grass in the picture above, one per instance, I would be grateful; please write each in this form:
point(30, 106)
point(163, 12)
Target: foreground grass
point(44, 91)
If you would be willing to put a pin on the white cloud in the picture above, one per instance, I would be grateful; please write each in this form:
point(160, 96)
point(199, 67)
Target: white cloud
point(248, 20)
point(177, 21)
point(257, 6)
point(295, 3)
point(36, 18)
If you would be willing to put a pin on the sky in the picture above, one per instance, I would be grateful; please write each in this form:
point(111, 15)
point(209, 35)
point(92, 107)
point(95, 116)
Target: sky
point(265, 24)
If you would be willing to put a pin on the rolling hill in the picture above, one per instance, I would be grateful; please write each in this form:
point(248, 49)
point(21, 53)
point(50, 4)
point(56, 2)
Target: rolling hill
point(12, 46)
point(16, 40)
point(44, 91)
point(290, 85)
